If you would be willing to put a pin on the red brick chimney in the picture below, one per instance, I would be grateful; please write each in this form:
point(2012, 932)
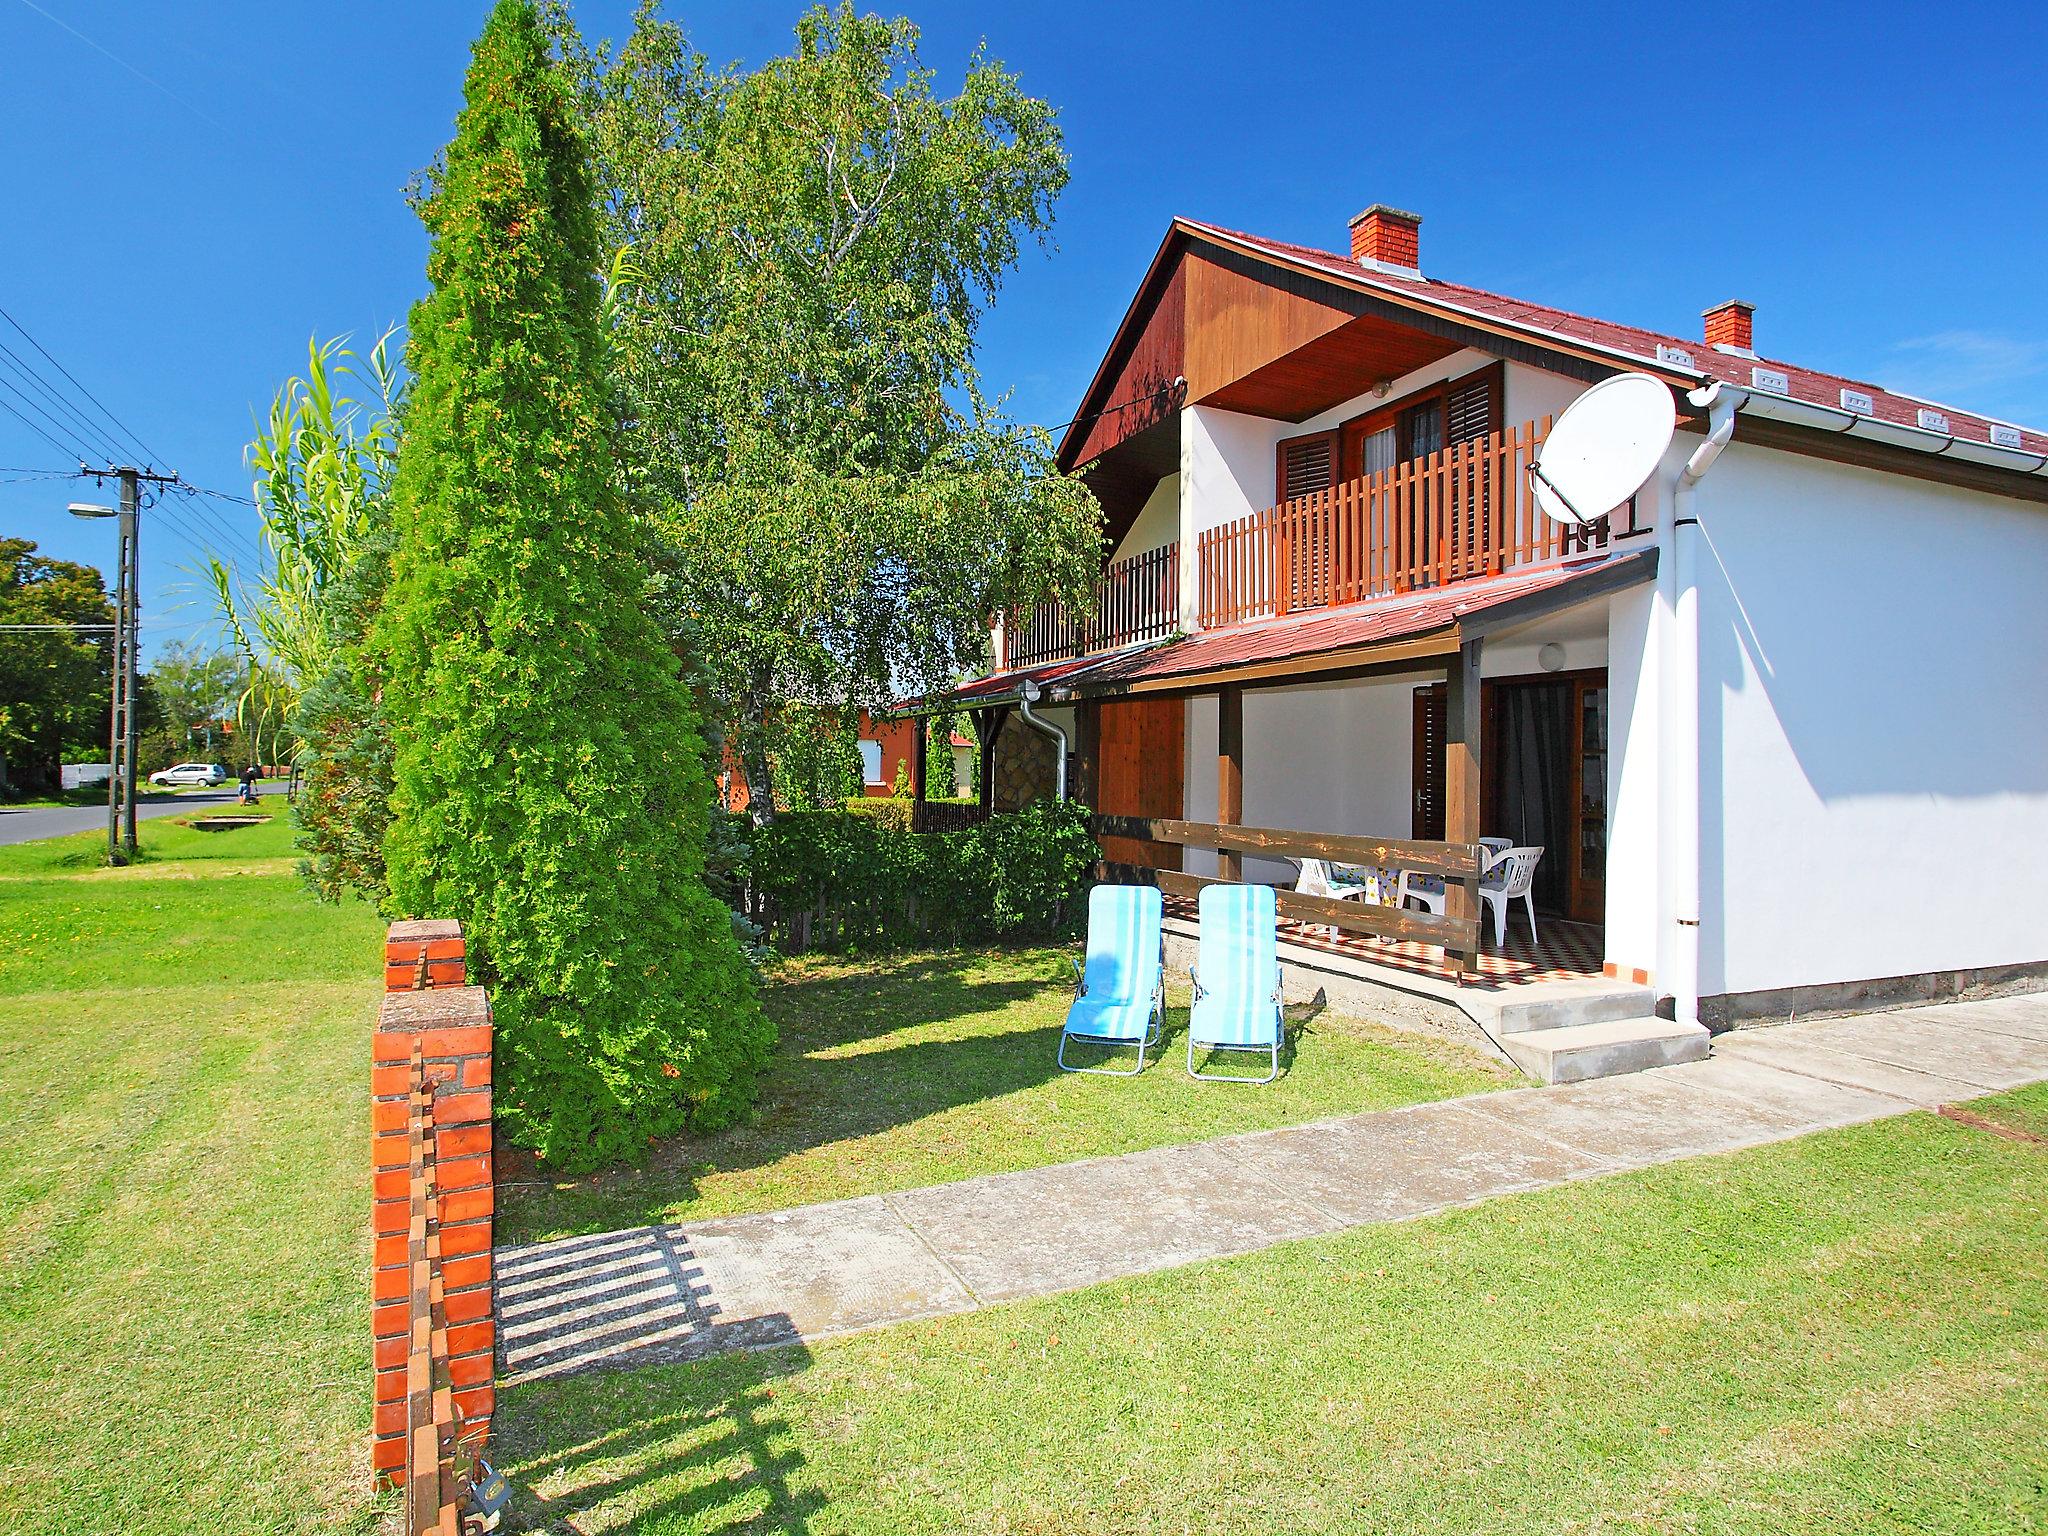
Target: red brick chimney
point(1729, 327)
point(1387, 237)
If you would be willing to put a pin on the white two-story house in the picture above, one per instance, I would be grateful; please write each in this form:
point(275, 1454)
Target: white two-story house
point(1779, 726)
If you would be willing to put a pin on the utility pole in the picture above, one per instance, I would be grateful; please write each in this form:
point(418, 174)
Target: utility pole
point(122, 725)
point(131, 506)
point(117, 716)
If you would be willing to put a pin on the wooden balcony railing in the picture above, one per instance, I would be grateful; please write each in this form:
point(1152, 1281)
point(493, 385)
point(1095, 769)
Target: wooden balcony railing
point(1136, 599)
point(1465, 512)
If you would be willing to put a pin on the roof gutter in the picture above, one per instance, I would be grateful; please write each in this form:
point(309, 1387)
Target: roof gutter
point(1844, 423)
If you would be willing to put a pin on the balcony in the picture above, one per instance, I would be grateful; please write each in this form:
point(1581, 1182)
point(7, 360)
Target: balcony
point(1136, 599)
point(1456, 515)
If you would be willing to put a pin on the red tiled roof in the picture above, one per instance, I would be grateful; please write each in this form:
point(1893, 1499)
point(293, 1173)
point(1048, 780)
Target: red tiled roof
point(1292, 636)
point(1807, 384)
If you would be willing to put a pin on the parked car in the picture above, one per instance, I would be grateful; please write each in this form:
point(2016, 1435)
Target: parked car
point(182, 774)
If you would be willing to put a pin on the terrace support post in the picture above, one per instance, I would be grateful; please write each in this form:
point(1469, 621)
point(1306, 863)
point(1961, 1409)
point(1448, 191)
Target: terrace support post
point(1230, 775)
point(988, 725)
point(1087, 752)
point(1462, 727)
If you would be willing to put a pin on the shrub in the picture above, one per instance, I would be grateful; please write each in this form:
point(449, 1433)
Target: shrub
point(889, 812)
point(344, 805)
point(854, 879)
point(548, 785)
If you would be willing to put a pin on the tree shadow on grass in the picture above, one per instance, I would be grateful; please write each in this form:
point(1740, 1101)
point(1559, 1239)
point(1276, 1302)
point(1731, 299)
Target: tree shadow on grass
point(841, 1074)
point(824, 1087)
point(700, 1447)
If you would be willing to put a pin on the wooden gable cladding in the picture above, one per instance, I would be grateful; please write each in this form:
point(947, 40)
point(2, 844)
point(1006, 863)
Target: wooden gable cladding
point(1270, 342)
point(1134, 391)
point(1241, 318)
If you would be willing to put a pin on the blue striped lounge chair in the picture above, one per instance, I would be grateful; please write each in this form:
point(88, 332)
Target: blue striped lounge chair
point(1120, 993)
point(1237, 978)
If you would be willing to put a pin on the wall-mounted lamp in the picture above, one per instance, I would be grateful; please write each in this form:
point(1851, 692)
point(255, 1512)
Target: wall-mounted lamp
point(1550, 657)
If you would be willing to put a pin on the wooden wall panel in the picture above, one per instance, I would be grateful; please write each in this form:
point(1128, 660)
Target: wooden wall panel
point(1237, 323)
point(1141, 747)
point(1156, 356)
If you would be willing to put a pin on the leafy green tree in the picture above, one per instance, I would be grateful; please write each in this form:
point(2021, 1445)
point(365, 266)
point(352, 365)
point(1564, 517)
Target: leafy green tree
point(196, 685)
point(812, 248)
point(549, 783)
point(55, 684)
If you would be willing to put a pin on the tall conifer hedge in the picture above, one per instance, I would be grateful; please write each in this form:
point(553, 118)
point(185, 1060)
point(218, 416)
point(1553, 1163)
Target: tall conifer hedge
point(550, 787)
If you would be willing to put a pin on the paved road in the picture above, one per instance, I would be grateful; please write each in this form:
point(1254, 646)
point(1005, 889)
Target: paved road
point(735, 1282)
point(24, 824)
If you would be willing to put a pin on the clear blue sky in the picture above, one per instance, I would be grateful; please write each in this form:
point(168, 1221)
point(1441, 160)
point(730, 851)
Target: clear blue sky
point(1869, 176)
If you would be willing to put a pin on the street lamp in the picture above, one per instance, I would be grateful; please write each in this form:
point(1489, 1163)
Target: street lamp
point(121, 717)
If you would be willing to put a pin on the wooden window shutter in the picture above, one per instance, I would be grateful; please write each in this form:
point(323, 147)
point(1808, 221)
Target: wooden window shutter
point(1305, 465)
point(1431, 727)
point(1474, 405)
point(1473, 409)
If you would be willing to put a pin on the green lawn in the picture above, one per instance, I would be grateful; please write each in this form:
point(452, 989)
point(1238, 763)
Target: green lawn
point(918, 1069)
point(184, 1154)
point(1847, 1333)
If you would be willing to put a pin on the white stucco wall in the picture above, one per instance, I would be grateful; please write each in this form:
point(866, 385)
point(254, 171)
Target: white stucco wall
point(1331, 757)
point(1635, 913)
point(1874, 725)
point(1158, 521)
point(1226, 466)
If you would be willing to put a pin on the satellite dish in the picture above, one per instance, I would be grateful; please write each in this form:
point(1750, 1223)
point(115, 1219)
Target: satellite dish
point(1603, 448)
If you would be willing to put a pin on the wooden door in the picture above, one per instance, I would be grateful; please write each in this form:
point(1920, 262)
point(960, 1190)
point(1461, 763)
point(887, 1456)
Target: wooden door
point(1427, 773)
point(1572, 881)
point(1141, 770)
point(1589, 799)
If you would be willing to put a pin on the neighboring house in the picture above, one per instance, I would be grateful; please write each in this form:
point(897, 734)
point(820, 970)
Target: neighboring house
point(887, 749)
point(1785, 748)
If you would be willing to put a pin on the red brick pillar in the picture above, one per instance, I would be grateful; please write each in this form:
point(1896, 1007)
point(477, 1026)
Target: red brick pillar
point(428, 1002)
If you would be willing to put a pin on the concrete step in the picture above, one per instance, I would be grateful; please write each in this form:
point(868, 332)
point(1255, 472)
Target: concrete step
point(1559, 1004)
point(1577, 1052)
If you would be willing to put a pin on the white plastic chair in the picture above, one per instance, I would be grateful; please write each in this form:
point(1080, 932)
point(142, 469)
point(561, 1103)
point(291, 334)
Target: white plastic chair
point(1426, 891)
point(1319, 878)
point(1506, 875)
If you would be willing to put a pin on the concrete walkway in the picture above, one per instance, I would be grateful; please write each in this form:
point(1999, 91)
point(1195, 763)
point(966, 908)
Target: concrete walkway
point(670, 1292)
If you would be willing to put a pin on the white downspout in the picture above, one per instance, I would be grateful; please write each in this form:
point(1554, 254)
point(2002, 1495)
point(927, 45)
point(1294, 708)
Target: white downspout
point(1025, 695)
point(1683, 772)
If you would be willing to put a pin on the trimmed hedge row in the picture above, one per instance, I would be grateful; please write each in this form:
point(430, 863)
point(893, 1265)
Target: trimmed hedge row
point(842, 879)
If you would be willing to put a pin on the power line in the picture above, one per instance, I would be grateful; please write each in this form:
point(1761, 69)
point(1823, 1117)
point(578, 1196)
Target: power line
point(24, 398)
point(240, 501)
point(194, 522)
point(228, 532)
point(204, 527)
point(149, 454)
point(39, 432)
point(13, 359)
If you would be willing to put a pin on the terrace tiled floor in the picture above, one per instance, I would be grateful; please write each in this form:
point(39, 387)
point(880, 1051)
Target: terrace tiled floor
point(1562, 951)
point(652, 1294)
